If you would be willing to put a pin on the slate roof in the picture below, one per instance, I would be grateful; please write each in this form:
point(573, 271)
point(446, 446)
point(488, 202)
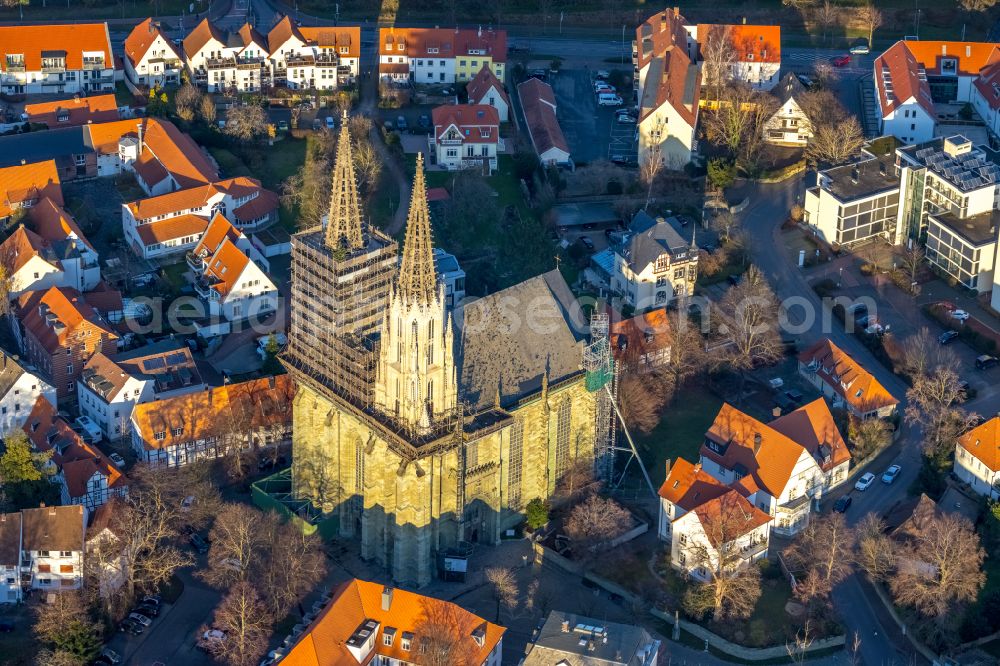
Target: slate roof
point(789, 87)
point(42, 146)
point(10, 372)
point(614, 644)
point(10, 539)
point(510, 338)
point(651, 238)
point(54, 528)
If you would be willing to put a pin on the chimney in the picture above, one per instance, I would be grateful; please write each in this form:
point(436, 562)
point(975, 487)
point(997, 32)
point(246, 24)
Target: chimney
point(744, 20)
point(270, 382)
point(668, 467)
point(480, 31)
point(968, 51)
point(386, 598)
point(139, 126)
point(944, 49)
point(565, 626)
point(756, 443)
point(41, 505)
point(854, 175)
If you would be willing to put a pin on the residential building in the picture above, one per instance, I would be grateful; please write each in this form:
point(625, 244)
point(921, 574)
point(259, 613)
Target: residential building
point(151, 58)
point(173, 223)
point(68, 147)
point(719, 535)
point(84, 474)
point(754, 51)
point(949, 190)
point(20, 388)
point(686, 487)
point(322, 58)
point(977, 458)
point(230, 283)
point(111, 385)
point(643, 343)
point(52, 547)
point(74, 111)
point(538, 103)
point(486, 88)
point(371, 623)
point(573, 639)
point(653, 264)
point(10, 558)
point(104, 549)
point(789, 125)
point(466, 136)
point(986, 97)
point(914, 75)
point(452, 277)
point(48, 59)
point(219, 60)
point(845, 382)
point(782, 467)
point(440, 55)
point(856, 203)
point(59, 331)
point(22, 186)
point(668, 83)
point(182, 429)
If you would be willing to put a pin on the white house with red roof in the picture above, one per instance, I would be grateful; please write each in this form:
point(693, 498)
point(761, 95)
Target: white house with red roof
point(20, 388)
point(466, 136)
point(219, 60)
point(669, 85)
point(173, 223)
point(781, 467)
point(755, 51)
point(486, 88)
point(845, 382)
point(56, 58)
point(686, 487)
point(231, 279)
point(151, 58)
point(313, 57)
point(440, 55)
point(977, 458)
point(911, 76)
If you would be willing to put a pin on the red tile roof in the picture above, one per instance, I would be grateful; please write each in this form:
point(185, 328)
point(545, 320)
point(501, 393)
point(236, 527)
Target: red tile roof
point(19, 248)
point(194, 197)
point(172, 228)
point(751, 43)
point(643, 334)
point(218, 230)
point(282, 31)
point(812, 426)
point(175, 150)
point(983, 443)
point(846, 377)
point(988, 84)
point(70, 40)
point(898, 66)
point(539, 105)
point(142, 37)
point(201, 35)
point(225, 267)
point(664, 36)
point(265, 203)
point(482, 83)
point(339, 37)
point(728, 517)
point(64, 306)
point(28, 182)
point(54, 223)
point(688, 485)
point(972, 56)
point(470, 120)
point(78, 111)
point(443, 42)
point(354, 601)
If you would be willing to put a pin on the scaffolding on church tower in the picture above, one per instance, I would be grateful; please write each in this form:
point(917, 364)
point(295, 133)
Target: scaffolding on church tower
point(600, 369)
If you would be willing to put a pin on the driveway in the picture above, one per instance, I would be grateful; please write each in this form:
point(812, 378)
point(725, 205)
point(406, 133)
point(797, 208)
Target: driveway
point(590, 130)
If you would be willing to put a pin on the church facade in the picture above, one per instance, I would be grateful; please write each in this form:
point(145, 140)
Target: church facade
point(436, 427)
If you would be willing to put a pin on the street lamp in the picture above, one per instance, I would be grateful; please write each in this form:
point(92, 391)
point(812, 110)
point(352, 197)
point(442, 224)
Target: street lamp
point(840, 278)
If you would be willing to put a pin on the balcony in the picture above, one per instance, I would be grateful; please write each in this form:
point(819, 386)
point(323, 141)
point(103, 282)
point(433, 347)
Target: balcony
point(94, 65)
point(300, 61)
point(195, 262)
point(19, 67)
point(753, 551)
point(53, 69)
point(205, 289)
point(233, 63)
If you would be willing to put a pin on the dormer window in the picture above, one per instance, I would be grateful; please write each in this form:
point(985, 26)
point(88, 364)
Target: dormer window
point(406, 641)
point(160, 435)
point(388, 636)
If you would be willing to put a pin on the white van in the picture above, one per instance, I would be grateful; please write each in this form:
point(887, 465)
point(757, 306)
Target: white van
point(609, 99)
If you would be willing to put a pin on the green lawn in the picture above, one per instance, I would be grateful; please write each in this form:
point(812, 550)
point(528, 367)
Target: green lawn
point(277, 162)
point(680, 432)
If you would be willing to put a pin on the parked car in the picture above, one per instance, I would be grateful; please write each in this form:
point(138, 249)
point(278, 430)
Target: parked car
point(890, 474)
point(424, 121)
point(860, 49)
point(960, 315)
point(199, 543)
point(986, 362)
point(108, 656)
point(624, 119)
point(91, 430)
point(866, 480)
point(187, 503)
point(842, 61)
point(283, 125)
point(210, 637)
point(947, 336)
point(117, 459)
point(130, 626)
point(329, 123)
point(840, 506)
point(317, 125)
point(587, 243)
point(140, 618)
point(609, 99)
point(794, 396)
point(153, 599)
point(148, 610)
point(602, 75)
point(401, 124)
point(267, 462)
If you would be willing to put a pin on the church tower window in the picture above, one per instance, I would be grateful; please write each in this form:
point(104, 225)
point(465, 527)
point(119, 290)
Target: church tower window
point(562, 436)
point(514, 467)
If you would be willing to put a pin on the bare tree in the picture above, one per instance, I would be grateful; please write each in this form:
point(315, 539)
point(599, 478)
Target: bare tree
point(871, 17)
point(874, 548)
point(824, 546)
point(719, 55)
point(246, 123)
point(826, 16)
point(65, 625)
point(244, 620)
point(207, 109)
point(976, 5)
point(867, 436)
point(876, 255)
point(933, 401)
point(654, 162)
point(824, 74)
point(294, 564)
point(798, 649)
point(367, 166)
point(641, 398)
point(186, 101)
point(687, 352)
point(576, 481)
point(595, 522)
point(912, 261)
point(505, 589)
point(799, 4)
point(733, 585)
point(922, 356)
point(443, 636)
point(739, 121)
point(749, 315)
point(939, 567)
point(724, 222)
point(238, 546)
point(835, 143)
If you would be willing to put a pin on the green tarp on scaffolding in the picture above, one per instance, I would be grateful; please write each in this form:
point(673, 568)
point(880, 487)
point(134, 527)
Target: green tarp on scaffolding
point(275, 493)
point(597, 379)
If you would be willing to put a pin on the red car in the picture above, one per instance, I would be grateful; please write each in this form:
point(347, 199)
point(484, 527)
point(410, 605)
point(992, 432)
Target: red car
point(842, 61)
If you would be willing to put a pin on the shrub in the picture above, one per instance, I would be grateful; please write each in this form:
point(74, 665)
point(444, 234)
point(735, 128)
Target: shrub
point(721, 172)
point(537, 513)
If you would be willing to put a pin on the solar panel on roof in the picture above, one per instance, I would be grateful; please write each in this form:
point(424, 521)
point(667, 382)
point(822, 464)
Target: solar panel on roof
point(153, 364)
point(175, 358)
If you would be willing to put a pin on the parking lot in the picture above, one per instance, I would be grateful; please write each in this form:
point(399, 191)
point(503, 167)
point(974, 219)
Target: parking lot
point(590, 130)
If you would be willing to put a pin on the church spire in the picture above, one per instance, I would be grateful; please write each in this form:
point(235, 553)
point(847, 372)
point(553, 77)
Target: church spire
point(343, 224)
point(417, 282)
